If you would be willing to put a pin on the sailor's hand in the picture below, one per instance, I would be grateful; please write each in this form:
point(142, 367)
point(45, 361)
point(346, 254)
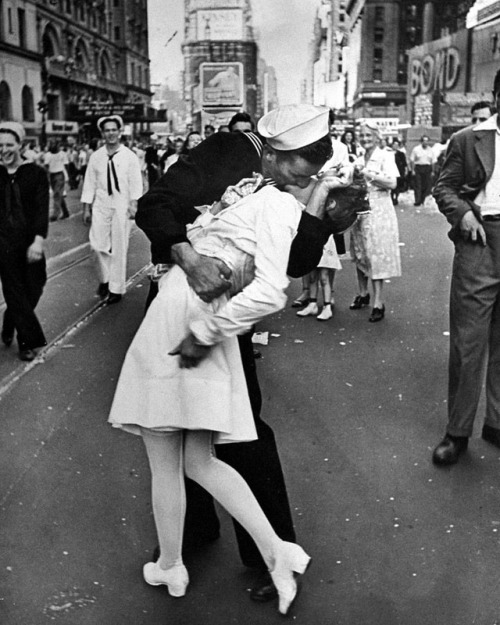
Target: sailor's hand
point(190, 352)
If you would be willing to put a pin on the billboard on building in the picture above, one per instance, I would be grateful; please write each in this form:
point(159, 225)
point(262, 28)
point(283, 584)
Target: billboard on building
point(439, 65)
point(221, 84)
point(485, 57)
point(220, 24)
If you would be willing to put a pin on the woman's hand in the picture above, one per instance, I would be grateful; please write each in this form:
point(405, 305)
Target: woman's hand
point(336, 178)
point(190, 352)
point(34, 252)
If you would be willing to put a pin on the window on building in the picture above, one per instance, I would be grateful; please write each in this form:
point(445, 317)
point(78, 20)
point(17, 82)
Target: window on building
point(21, 23)
point(28, 104)
point(48, 47)
point(378, 58)
point(132, 73)
point(116, 3)
point(81, 57)
point(5, 102)
point(2, 26)
point(402, 68)
point(378, 34)
point(139, 76)
point(9, 21)
point(379, 14)
point(68, 6)
point(117, 33)
point(105, 66)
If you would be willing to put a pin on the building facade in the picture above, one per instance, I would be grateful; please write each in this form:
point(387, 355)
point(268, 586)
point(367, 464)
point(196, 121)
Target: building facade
point(222, 69)
point(380, 34)
point(452, 71)
point(326, 77)
point(20, 64)
point(79, 54)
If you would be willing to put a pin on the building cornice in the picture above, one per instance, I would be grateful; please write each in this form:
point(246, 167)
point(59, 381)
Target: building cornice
point(22, 52)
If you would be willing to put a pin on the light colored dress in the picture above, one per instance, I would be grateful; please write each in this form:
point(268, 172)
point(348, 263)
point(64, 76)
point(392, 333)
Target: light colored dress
point(375, 235)
point(253, 237)
point(340, 158)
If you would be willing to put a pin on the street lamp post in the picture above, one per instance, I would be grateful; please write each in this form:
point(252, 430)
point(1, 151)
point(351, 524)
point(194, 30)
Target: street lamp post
point(42, 107)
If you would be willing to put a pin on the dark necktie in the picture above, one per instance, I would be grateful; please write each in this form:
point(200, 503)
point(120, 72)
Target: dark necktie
point(112, 170)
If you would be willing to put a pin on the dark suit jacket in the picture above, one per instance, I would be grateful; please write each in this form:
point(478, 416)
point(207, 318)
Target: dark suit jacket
point(468, 165)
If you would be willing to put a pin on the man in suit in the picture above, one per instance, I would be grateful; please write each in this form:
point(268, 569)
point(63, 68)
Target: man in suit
point(468, 194)
point(201, 178)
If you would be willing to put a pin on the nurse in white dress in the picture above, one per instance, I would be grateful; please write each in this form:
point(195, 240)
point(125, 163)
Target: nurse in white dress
point(182, 386)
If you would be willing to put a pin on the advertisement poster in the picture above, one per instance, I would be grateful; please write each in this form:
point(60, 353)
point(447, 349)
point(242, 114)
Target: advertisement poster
point(220, 24)
point(221, 84)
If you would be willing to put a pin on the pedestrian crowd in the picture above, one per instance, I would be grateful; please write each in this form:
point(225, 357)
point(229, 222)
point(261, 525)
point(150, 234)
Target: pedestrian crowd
point(230, 216)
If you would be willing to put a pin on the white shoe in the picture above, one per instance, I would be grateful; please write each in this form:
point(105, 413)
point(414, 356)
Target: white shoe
point(310, 309)
point(326, 313)
point(175, 578)
point(290, 560)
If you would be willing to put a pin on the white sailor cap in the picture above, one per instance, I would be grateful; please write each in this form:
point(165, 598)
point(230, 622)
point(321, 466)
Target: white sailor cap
point(14, 128)
point(294, 126)
point(110, 118)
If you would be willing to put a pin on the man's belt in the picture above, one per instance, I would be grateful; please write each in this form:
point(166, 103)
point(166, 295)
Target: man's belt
point(158, 271)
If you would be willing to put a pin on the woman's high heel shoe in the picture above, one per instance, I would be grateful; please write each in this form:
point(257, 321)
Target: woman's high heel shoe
point(377, 314)
point(175, 578)
point(360, 301)
point(302, 300)
point(290, 560)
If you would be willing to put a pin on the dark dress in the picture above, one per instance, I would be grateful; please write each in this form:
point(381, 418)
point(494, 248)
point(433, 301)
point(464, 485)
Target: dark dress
point(201, 178)
point(24, 213)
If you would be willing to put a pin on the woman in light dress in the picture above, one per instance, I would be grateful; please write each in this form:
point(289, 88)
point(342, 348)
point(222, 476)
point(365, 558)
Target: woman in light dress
point(375, 235)
point(182, 386)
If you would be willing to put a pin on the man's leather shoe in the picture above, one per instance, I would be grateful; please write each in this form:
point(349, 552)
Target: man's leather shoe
point(113, 298)
point(491, 435)
point(103, 289)
point(450, 449)
point(7, 337)
point(27, 354)
point(264, 590)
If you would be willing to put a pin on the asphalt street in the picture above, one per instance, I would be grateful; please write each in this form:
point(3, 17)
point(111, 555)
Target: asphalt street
point(356, 408)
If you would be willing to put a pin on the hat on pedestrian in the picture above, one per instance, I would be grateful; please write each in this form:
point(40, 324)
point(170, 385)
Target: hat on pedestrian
point(14, 128)
point(294, 126)
point(110, 118)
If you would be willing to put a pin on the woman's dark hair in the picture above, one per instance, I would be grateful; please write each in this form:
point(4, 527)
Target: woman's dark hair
point(316, 153)
point(185, 149)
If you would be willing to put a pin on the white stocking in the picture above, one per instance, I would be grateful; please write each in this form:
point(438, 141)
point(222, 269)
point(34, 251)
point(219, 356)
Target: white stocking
point(228, 487)
point(165, 454)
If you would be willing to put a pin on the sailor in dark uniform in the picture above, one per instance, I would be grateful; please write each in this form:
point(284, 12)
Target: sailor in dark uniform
point(201, 178)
